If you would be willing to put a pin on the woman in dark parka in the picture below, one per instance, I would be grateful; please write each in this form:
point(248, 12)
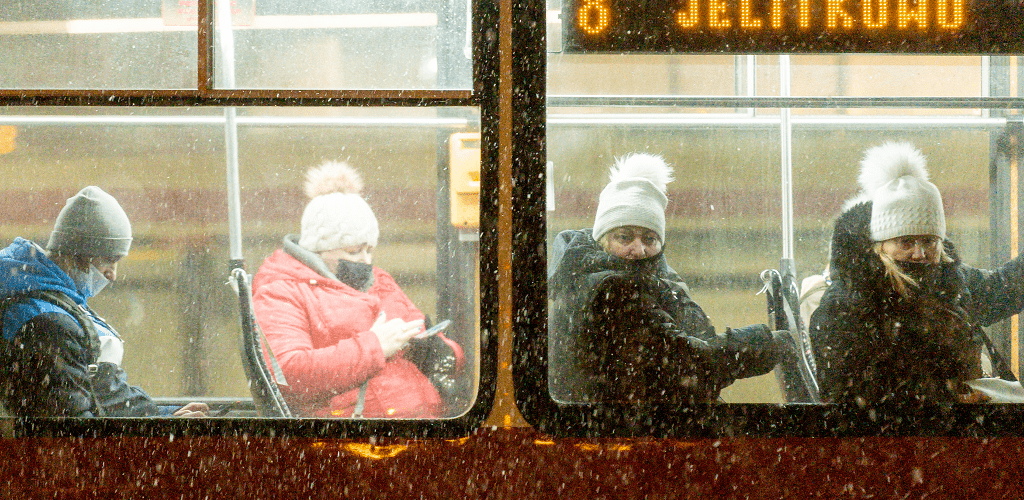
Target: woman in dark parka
point(622, 327)
point(900, 321)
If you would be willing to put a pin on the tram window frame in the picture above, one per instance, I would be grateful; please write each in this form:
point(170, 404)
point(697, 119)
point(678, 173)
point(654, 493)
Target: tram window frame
point(706, 420)
point(482, 96)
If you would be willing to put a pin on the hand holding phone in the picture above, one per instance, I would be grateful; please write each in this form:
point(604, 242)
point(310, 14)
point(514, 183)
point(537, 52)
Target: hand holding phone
point(434, 329)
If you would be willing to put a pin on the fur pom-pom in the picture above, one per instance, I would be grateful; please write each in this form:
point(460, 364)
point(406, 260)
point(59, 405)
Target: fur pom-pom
point(647, 166)
point(332, 177)
point(889, 161)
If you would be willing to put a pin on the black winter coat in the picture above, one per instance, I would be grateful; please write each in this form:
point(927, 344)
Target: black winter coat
point(874, 346)
point(626, 330)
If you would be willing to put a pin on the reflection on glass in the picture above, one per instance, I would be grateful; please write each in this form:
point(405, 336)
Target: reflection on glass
point(179, 323)
point(722, 219)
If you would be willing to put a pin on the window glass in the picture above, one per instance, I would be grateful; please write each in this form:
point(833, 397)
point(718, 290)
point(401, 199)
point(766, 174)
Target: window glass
point(411, 45)
point(754, 189)
point(725, 216)
point(842, 75)
point(166, 166)
point(96, 45)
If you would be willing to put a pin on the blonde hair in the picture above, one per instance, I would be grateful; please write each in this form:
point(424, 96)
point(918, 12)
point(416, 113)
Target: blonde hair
point(901, 281)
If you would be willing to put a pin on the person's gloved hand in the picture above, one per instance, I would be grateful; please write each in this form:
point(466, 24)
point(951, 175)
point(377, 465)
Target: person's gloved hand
point(783, 344)
point(664, 323)
point(699, 345)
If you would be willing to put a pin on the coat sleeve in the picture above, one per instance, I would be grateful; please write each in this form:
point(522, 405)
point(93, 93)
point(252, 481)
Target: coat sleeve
point(842, 353)
point(738, 353)
point(47, 365)
point(119, 398)
point(994, 294)
point(310, 370)
point(745, 352)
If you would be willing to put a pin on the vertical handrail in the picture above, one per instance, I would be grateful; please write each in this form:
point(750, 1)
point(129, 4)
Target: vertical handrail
point(783, 289)
point(227, 64)
point(786, 167)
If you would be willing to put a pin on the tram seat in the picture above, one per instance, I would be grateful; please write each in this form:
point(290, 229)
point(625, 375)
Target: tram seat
point(262, 383)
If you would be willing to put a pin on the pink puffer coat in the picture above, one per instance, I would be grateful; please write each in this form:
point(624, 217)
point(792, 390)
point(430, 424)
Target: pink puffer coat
point(319, 330)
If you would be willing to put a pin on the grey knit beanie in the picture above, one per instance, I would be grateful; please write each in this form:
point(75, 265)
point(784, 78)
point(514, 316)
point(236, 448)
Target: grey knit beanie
point(91, 223)
point(635, 196)
point(903, 201)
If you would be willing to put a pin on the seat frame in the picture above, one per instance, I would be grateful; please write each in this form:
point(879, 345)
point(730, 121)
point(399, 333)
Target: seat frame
point(262, 384)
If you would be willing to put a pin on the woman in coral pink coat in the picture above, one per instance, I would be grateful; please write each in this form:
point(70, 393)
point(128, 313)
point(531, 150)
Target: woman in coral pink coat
point(339, 327)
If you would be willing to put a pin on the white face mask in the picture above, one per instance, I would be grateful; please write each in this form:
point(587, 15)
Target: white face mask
point(90, 283)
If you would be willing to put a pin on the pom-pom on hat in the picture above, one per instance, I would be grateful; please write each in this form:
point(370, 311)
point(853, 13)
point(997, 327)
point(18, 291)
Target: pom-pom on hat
point(92, 223)
point(904, 202)
point(635, 196)
point(336, 215)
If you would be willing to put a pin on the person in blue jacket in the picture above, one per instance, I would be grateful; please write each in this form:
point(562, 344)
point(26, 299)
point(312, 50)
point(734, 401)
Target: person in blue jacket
point(58, 358)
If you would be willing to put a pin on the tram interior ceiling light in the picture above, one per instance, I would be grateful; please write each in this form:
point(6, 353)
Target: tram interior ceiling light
point(156, 24)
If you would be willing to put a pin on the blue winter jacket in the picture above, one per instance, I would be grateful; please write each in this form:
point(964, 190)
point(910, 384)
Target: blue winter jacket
point(45, 354)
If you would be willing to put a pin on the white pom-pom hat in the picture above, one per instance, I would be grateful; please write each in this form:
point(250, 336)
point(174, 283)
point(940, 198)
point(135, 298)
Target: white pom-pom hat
point(635, 196)
point(336, 216)
point(904, 202)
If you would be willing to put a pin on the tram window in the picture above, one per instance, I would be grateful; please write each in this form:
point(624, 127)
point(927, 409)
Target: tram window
point(722, 223)
point(421, 45)
point(180, 323)
point(376, 45)
point(96, 45)
point(757, 186)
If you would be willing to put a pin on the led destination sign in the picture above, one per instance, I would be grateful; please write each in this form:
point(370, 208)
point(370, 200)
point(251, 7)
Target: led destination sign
point(776, 26)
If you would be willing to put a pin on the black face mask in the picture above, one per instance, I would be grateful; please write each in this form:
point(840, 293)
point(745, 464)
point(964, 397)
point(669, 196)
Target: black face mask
point(355, 274)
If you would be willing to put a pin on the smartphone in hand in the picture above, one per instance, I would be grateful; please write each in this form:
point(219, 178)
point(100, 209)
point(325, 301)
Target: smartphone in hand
point(434, 329)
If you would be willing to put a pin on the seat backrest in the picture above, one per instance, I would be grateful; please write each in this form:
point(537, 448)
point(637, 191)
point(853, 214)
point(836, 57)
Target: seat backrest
point(265, 392)
point(797, 374)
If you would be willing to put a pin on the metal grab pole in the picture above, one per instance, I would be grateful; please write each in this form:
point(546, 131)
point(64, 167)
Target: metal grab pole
point(234, 191)
point(799, 379)
point(227, 60)
point(786, 167)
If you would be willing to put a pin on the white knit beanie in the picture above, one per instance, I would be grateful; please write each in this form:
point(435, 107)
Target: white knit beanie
point(904, 202)
point(91, 223)
point(635, 196)
point(336, 216)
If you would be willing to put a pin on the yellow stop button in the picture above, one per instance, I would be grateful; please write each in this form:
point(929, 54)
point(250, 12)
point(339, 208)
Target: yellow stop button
point(7, 135)
point(464, 154)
